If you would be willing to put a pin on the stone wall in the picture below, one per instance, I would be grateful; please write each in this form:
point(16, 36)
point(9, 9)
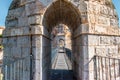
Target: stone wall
point(28, 27)
point(104, 45)
point(103, 34)
point(16, 48)
point(102, 19)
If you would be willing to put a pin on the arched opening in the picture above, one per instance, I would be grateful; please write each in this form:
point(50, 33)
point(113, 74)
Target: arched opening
point(61, 64)
point(61, 43)
point(63, 12)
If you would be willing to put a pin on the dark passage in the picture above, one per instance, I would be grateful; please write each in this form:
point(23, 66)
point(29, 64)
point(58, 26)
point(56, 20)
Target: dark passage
point(61, 67)
point(62, 75)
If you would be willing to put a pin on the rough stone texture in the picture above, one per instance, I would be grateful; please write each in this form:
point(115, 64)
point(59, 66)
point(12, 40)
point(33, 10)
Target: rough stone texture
point(93, 25)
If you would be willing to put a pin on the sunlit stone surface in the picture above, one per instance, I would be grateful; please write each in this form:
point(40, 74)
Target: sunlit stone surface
point(94, 31)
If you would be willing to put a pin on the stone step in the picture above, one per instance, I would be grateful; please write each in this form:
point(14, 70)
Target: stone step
point(61, 70)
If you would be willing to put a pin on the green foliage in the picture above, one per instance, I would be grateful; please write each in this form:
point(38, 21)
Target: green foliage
point(1, 47)
point(0, 35)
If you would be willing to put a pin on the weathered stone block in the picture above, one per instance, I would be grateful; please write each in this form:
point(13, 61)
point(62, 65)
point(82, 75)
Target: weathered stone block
point(26, 69)
point(23, 2)
point(82, 6)
point(23, 41)
point(11, 42)
point(84, 40)
point(34, 20)
point(113, 50)
point(93, 40)
point(26, 30)
point(36, 41)
point(112, 31)
point(91, 52)
point(91, 28)
point(16, 52)
point(34, 8)
point(85, 55)
point(13, 23)
point(7, 52)
point(100, 30)
point(22, 22)
point(84, 28)
point(117, 40)
point(113, 22)
point(37, 70)
point(4, 41)
point(104, 40)
point(25, 52)
point(16, 12)
point(16, 31)
point(101, 50)
point(37, 52)
point(84, 19)
point(36, 30)
point(6, 32)
point(81, 40)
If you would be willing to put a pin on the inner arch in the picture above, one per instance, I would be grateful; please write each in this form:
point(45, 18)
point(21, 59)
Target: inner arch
point(61, 11)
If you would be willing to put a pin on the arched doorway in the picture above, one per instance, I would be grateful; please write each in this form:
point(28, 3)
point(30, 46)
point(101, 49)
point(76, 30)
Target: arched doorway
point(61, 64)
point(61, 42)
point(61, 12)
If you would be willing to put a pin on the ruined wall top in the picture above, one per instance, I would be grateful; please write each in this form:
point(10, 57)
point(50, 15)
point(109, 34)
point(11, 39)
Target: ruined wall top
point(96, 13)
point(18, 3)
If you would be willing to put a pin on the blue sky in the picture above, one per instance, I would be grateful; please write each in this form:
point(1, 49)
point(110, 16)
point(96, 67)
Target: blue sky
point(4, 5)
point(117, 6)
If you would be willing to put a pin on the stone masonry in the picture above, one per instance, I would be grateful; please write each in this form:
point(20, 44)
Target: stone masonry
point(94, 30)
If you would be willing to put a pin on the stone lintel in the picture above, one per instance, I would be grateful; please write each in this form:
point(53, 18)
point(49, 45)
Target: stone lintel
point(24, 31)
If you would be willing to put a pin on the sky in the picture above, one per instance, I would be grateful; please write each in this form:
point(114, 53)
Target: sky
point(4, 5)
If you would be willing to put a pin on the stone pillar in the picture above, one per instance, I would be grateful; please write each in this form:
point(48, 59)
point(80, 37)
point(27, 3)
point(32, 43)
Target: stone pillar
point(41, 50)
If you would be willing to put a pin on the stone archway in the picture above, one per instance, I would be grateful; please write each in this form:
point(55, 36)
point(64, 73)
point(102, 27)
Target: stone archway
point(63, 11)
point(32, 38)
point(28, 27)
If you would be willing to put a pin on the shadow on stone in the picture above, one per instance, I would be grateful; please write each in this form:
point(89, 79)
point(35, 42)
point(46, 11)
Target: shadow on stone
point(60, 74)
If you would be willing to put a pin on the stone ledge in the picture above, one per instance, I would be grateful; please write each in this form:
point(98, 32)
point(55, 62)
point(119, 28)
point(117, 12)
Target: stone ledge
point(96, 34)
point(25, 31)
point(97, 30)
point(16, 31)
